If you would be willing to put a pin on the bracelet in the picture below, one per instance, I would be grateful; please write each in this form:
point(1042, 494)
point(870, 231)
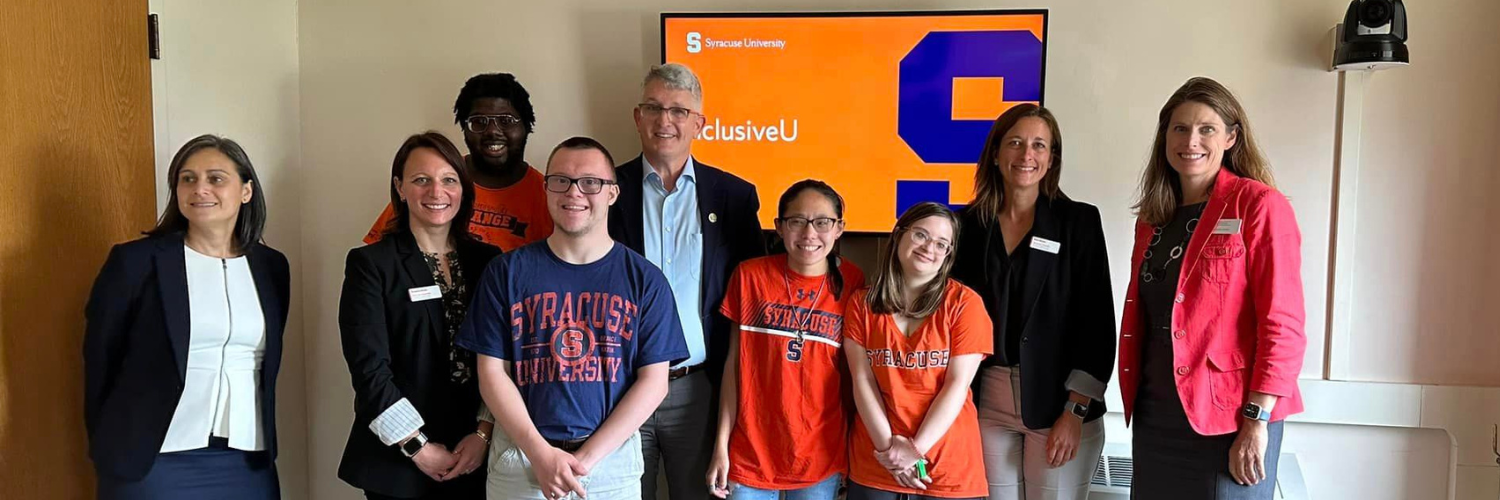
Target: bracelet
point(482, 435)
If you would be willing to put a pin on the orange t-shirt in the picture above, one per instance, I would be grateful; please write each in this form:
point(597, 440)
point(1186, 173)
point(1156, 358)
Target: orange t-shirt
point(507, 217)
point(791, 428)
point(910, 371)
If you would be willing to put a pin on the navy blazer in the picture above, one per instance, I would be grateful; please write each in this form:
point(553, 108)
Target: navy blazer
point(398, 349)
point(1069, 321)
point(135, 349)
point(729, 211)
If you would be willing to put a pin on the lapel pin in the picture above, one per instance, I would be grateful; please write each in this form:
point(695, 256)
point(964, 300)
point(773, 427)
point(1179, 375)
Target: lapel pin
point(713, 217)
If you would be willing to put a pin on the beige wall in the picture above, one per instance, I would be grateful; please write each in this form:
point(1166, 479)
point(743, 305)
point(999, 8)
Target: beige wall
point(1424, 310)
point(230, 68)
point(372, 72)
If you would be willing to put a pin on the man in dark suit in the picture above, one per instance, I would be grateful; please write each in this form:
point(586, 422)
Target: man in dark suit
point(696, 223)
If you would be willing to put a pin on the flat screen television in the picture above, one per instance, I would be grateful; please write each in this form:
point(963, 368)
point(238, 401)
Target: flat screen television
point(890, 108)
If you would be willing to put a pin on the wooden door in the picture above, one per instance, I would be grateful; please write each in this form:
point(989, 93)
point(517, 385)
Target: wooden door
point(76, 176)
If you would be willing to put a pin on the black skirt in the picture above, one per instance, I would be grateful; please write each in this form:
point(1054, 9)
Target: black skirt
point(1177, 463)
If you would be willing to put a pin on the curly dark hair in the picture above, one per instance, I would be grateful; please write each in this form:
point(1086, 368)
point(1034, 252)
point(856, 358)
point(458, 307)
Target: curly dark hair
point(494, 85)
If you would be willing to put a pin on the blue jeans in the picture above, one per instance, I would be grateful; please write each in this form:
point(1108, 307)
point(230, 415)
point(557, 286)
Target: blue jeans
point(824, 490)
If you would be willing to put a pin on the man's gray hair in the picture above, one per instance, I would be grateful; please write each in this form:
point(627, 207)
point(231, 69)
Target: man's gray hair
point(676, 77)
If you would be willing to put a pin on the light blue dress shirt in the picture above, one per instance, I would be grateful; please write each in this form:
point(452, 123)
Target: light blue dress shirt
point(674, 242)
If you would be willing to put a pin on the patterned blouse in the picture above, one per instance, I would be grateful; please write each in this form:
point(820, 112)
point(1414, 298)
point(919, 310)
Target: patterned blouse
point(460, 361)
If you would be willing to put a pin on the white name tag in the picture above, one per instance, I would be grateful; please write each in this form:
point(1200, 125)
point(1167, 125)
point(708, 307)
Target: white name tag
point(1045, 245)
point(425, 293)
point(1228, 226)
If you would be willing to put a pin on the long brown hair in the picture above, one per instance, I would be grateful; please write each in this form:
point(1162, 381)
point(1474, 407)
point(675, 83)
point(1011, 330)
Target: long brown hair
point(884, 296)
point(1161, 189)
point(989, 185)
point(459, 229)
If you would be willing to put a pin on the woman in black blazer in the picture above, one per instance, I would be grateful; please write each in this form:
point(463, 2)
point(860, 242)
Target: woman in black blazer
point(1038, 260)
point(416, 397)
point(179, 391)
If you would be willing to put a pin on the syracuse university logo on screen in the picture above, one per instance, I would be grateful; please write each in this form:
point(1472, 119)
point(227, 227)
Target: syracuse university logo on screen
point(717, 130)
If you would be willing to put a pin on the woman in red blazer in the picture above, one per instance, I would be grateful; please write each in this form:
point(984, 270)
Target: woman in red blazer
point(1212, 337)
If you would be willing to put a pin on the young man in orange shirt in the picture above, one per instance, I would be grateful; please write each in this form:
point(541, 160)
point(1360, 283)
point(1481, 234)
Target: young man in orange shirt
point(510, 205)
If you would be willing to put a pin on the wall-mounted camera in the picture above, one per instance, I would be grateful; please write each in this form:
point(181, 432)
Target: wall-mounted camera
point(1373, 36)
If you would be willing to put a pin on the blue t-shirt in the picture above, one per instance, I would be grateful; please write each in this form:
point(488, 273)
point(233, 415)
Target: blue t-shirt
point(574, 334)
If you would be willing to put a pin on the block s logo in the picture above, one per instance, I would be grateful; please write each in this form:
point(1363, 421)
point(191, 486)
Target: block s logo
point(924, 117)
point(694, 42)
point(794, 350)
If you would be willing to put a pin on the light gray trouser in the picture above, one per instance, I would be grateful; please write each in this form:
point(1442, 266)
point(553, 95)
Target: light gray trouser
point(1015, 457)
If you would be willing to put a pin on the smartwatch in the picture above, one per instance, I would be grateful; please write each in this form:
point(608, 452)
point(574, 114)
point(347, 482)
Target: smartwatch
point(1080, 410)
point(411, 446)
point(1253, 411)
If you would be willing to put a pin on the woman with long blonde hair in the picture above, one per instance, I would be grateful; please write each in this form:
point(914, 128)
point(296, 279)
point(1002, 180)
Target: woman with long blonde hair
point(1212, 338)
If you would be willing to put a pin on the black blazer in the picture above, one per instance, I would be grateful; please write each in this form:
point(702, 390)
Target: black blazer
point(1070, 320)
point(397, 349)
point(728, 210)
point(135, 349)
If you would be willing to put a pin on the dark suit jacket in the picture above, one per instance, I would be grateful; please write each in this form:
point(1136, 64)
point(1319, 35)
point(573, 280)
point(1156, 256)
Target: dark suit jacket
point(1070, 314)
point(728, 209)
point(397, 349)
point(135, 349)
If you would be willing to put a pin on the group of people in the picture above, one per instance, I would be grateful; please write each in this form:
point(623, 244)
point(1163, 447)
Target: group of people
point(581, 330)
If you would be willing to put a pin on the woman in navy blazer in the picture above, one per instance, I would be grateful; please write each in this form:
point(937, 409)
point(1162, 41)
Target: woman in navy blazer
point(416, 397)
point(166, 417)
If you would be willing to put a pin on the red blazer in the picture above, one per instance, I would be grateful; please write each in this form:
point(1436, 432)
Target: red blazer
point(1238, 323)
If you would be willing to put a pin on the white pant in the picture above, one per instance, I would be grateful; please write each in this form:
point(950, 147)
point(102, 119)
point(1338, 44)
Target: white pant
point(1015, 457)
point(616, 477)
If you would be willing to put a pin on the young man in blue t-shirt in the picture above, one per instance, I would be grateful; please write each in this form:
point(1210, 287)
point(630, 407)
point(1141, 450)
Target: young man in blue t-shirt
point(575, 336)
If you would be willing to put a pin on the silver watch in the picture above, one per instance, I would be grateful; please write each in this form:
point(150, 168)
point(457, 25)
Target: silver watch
point(411, 446)
point(1079, 410)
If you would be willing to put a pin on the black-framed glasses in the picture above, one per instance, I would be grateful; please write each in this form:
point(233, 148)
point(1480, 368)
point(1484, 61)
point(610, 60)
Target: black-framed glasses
point(586, 185)
point(653, 111)
point(480, 123)
point(820, 224)
point(920, 238)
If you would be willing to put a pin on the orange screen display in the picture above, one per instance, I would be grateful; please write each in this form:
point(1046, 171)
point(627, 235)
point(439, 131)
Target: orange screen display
point(890, 109)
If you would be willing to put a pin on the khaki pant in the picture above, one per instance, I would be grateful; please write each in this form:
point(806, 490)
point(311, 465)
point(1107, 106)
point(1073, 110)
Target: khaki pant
point(616, 477)
point(1015, 457)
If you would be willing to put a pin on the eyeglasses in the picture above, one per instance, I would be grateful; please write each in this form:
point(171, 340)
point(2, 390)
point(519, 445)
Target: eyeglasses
point(586, 185)
point(654, 111)
point(921, 238)
point(480, 123)
point(820, 224)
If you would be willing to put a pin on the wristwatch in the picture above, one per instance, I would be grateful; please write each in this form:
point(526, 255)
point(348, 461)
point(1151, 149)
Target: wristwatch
point(411, 446)
point(1080, 410)
point(1253, 411)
